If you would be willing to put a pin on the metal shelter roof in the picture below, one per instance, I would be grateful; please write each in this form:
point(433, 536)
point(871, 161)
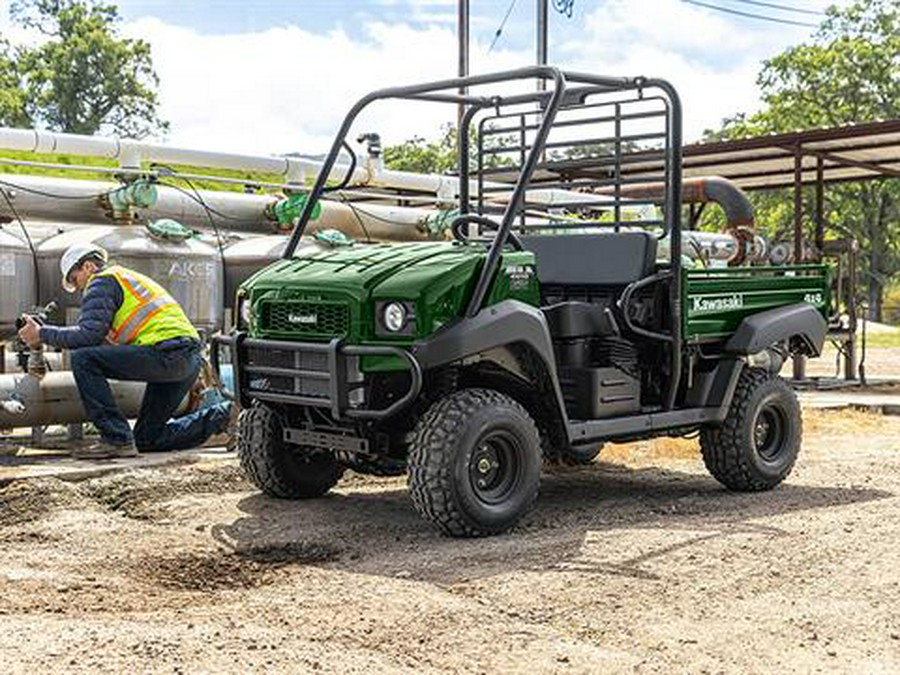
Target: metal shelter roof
point(857, 152)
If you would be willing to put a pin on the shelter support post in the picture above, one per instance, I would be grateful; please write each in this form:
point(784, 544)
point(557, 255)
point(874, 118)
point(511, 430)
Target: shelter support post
point(799, 359)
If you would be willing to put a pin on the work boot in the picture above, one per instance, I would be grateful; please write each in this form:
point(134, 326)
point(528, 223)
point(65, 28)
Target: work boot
point(105, 450)
point(234, 414)
point(227, 435)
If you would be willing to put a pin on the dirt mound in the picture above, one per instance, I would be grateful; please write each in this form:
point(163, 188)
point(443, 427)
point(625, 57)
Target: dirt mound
point(137, 493)
point(220, 570)
point(28, 500)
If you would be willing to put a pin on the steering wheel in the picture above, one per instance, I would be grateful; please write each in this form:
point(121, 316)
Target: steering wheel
point(456, 227)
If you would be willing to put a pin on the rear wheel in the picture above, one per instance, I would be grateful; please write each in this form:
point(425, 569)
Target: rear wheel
point(280, 469)
point(757, 445)
point(474, 463)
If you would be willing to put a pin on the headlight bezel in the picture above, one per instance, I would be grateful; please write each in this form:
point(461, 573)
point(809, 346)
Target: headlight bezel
point(243, 312)
point(407, 327)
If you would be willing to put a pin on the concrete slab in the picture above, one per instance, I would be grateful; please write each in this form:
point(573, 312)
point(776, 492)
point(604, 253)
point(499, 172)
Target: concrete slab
point(36, 462)
point(884, 403)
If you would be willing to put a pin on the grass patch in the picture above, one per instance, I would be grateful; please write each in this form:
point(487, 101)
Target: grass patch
point(882, 340)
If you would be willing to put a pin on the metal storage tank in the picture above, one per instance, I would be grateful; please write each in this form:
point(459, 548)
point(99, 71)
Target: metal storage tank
point(189, 269)
point(246, 257)
point(17, 281)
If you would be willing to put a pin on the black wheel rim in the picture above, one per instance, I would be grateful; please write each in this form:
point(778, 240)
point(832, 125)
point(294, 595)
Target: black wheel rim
point(769, 432)
point(494, 468)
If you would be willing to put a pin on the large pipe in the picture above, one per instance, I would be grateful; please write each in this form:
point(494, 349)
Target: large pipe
point(55, 360)
point(75, 202)
point(54, 399)
point(369, 173)
point(132, 153)
point(739, 217)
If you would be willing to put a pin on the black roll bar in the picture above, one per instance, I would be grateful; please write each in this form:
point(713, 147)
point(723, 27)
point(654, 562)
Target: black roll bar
point(551, 101)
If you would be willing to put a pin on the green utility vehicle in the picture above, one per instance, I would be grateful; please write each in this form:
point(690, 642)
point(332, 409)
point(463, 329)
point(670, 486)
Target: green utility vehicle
point(562, 314)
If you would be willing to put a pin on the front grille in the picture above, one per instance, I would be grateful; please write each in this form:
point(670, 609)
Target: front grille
point(298, 360)
point(288, 358)
point(305, 319)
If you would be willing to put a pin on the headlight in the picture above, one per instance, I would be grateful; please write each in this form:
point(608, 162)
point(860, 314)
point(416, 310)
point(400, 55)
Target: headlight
point(243, 312)
point(394, 317)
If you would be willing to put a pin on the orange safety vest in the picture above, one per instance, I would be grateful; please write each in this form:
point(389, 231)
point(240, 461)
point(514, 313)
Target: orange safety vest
point(148, 314)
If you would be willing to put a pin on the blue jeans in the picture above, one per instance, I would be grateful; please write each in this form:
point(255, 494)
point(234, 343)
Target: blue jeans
point(169, 371)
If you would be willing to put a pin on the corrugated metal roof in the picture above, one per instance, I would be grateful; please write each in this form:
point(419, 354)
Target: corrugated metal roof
point(857, 152)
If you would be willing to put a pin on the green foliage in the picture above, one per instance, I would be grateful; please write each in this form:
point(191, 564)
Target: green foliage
point(848, 74)
point(12, 99)
point(421, 156)
point(84, 77)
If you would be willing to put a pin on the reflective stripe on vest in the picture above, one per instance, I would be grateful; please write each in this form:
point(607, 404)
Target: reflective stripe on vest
point(143, 300)
point(138, 319)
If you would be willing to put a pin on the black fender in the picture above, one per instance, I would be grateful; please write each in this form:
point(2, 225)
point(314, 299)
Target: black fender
point(800, 322)
point(506, 323)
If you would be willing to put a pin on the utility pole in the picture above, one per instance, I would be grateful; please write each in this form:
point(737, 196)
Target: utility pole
point(463, 33)
point(541, 39)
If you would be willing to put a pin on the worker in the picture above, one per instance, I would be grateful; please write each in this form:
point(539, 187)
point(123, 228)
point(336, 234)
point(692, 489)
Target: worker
point(129, 328)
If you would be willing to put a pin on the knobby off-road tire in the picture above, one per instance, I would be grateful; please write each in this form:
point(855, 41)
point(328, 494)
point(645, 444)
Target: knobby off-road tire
point(756, 446)
point(277, 468)
point(474, 463)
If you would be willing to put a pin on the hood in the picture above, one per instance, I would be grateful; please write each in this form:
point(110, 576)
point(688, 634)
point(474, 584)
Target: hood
point(361, 272)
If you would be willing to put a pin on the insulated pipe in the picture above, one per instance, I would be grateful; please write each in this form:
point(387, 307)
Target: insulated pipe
point(738, 211)
point(75, 202)
point(54, 399)
point(131, 153)
point(11, 361)
point(370, 173)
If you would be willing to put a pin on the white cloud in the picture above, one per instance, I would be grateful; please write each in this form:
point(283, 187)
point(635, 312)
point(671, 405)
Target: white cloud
point(287, 88)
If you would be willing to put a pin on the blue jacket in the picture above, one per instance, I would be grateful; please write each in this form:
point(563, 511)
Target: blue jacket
point(102, 299)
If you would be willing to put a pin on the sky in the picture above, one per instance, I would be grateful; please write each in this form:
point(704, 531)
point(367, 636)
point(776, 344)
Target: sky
point(275, 76)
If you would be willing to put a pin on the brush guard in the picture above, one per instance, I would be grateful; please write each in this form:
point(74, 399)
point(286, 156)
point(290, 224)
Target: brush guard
point(322, 375)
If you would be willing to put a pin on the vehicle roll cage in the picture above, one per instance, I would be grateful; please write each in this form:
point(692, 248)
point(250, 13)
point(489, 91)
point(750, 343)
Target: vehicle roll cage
point(562, 89)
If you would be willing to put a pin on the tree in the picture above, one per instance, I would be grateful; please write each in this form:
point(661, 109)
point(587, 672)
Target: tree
point(85, 78)
point(848, 74)
point(12, 99)
point(422, 156)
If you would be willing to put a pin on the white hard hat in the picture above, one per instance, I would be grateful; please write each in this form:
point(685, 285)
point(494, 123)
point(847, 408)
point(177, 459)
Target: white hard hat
point(74, 255)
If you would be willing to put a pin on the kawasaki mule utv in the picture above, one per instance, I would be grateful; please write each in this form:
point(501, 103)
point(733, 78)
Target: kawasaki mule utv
point(562, 314)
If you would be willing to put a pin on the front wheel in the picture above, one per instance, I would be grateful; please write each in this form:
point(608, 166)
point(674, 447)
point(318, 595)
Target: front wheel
point(474, 463)
point(280, 469)
point(756, 446)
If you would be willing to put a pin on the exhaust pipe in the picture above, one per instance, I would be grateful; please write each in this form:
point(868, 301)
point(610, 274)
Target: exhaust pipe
point(734, 202)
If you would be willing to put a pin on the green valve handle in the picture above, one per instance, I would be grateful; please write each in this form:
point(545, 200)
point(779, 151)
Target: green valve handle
point(334, 238)
point(140, 193)
point(438, 223)
point(287, 210)
point(166, 228)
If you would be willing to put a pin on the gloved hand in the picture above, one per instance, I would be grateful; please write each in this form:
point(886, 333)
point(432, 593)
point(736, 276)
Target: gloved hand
point(30, 332)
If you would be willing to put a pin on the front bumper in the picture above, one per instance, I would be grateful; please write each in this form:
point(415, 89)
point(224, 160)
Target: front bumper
point(322, 375)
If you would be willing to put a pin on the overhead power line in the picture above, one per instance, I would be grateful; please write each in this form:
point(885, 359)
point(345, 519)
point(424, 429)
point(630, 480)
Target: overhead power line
point(502, 24)
point(749, 15)
point(783, 8)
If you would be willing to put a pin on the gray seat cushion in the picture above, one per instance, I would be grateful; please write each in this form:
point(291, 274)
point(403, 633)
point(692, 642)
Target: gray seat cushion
point(601, 259)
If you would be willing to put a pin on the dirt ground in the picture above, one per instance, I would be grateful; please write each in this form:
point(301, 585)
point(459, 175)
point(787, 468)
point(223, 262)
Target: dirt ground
point(880, 363)
point(638, 563)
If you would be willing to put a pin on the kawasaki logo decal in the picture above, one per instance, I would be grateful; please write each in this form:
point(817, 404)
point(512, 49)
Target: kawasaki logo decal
point(303, 319)
point(702, 305)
